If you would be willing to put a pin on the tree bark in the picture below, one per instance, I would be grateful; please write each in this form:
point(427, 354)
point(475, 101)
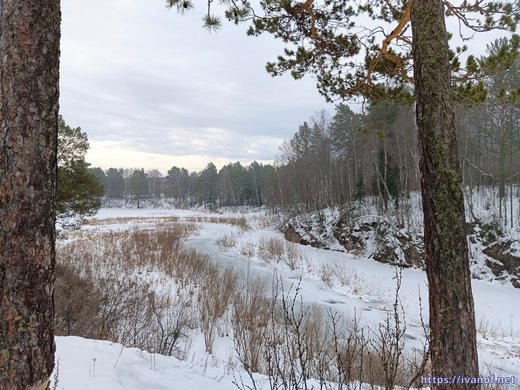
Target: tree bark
point(29, 74)
point(452, 317)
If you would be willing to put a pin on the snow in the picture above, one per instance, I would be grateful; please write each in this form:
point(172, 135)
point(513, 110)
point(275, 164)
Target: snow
point(369, 295)
point(102, 365)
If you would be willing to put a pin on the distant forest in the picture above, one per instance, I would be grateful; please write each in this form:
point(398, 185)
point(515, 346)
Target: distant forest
point(331, 161)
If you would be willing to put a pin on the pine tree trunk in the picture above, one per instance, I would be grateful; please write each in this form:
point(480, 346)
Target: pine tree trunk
point(452, 316)
point(29, 73)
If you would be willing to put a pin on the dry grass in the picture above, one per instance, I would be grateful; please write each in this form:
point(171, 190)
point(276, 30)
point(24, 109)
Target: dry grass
point(102, 291)
point(102, 288)
point(131, 220)
point(132, 251)
point(250, 316)
point(333, 275)
point(227, 241)
point(240, 222)
point(267, 221)
point(247, 250)
point(278, 249)
point(214, 299)
point(293, 343)
point(489, 329)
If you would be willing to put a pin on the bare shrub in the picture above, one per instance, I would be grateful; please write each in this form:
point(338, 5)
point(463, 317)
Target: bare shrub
point(175, 320)
point(295, 341)
point(76, 300)
point(123, 311)
point(387, 352)
point(300, 343)
point(99, 293)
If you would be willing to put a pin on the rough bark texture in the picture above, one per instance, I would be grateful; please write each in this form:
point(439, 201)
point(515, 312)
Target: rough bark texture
point(452, 316)
point(29, 73)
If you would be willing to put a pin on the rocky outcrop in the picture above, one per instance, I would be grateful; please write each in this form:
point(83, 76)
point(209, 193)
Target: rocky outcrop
point(494, 256)
point(377, 238)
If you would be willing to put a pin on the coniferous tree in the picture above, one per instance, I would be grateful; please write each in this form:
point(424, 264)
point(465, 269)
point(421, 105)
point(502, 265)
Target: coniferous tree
point(101, 175)
point(207, 185)
point(29, 74)
point(79, 191)
point(115, 184)
point(138, 185)
point(319, 46)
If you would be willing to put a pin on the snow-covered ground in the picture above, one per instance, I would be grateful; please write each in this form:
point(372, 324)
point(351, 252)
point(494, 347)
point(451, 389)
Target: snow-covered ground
point(84, 364)
point(352, 286)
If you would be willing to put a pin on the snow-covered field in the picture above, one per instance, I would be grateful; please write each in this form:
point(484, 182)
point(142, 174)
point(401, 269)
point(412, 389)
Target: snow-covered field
point(355, 287)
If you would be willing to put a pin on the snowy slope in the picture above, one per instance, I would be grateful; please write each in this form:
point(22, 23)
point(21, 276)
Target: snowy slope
point(101, 365)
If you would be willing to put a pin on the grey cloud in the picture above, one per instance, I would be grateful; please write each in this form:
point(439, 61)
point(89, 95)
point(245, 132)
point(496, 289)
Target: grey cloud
point(135, 73)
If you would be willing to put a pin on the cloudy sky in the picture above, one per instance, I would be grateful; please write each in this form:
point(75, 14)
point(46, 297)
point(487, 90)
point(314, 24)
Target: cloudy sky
point(153, 89)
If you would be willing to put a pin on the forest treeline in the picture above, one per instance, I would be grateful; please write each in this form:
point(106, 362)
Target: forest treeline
point(331, 160)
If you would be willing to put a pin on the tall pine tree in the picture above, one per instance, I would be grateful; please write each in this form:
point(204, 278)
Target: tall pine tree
point(326, 38)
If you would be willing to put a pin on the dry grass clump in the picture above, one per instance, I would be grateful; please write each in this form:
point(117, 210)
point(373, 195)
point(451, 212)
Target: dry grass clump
point(217, 289)
point(227, 241)
point(240, 222)
point(333, 275)
point(250, 316)
point(130, 220)
point(277, 249)
point(130, 251)
point(247, 250)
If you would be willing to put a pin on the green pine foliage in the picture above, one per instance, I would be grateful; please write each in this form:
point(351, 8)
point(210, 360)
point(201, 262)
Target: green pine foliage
point(332, 40)
point(79, 191)
point(138, 185)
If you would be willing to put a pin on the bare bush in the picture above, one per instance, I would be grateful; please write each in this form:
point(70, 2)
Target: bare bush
point(175, 320)
point(101, 290)
point(76, 300)
point(300, 343)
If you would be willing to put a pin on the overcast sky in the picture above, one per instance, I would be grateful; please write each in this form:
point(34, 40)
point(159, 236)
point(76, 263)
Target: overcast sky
point(153, 89)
